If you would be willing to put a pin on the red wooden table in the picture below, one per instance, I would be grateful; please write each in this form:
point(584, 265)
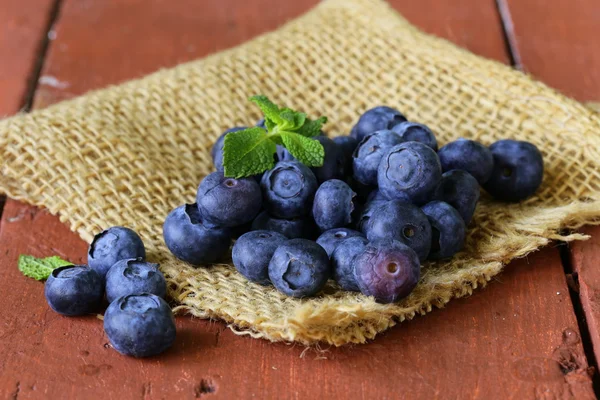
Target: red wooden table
point(532, 333)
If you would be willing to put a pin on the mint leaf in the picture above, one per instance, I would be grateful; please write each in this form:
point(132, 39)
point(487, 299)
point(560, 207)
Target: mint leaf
point(312, 128)
point(40, 268)
point(308, 151)
point(269, 109)
point(292, 120)
point(248, 152)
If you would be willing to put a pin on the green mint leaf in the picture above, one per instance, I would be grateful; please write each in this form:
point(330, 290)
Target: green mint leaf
point(292, 120)
point(270, 124)
point(269, 109)
point(308, 151)
point(40, 268)
point(248, 152)
point(312, 128)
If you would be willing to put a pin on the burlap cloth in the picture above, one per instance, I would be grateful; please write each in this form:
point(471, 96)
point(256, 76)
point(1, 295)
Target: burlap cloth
point(128, 154)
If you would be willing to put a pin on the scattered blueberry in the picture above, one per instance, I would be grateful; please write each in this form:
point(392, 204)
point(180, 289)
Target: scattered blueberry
point(410, 172)
point(252, 253)
point(330, 239)
point(403, 222)
point(134, 276)
point(413, 132)
point(299, 268)
point(333, 163)
point(333, 205)
point(347, 145)
point(459, 189)
point(140, 325)
point(342, 260)
point(217, 150)
point(387, 270)
point(112, 245)
point(468, 155)
point(447, 230)
point(293, 228)
point(376, 196)
point(376, 119)
point(365, 214)
point(368, 154)
point(288, 189)
point(190, 240)
point(283, 154)
point(228, 202)
point(74, 290)
point(518, 170)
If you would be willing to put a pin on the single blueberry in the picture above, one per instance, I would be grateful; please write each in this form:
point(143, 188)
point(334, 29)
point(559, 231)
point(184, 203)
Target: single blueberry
point(112, 245)
point(403, 222)
point(283, 154)
point(368, 154)
point(74, 290)
point(342, 261)
point(333, 205)
point(217, 150)
point(376, 119)
point(134, 276)
point(365, 214)
point(288, 189)
point(140, 325)
point(347, 145)
point(291, 228)
point(333, 163)
point(330, 239)
point(447, 230)
point(376, 195)
point(413, 132)
point(228, 202)
point(461, 190)
point(252, 253)
point(410, 172)
point(299, 268)
point(387, 270)
point(518, 170)
point(190, 240)
point(468, 155)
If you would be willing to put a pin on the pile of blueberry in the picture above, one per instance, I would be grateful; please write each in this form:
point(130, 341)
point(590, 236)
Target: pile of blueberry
point(138, 321)
point(384, 200)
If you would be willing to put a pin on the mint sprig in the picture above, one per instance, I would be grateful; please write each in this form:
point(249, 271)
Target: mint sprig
point(251, 151)
point(40, 268)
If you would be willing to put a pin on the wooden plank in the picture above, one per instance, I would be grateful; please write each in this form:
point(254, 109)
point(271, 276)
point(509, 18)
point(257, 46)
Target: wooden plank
point(518, 338)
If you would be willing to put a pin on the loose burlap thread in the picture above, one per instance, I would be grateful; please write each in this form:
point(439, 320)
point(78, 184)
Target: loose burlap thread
point(129, 154)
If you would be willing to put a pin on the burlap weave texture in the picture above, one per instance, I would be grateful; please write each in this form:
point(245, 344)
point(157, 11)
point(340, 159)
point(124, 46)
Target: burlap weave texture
point(129, 154)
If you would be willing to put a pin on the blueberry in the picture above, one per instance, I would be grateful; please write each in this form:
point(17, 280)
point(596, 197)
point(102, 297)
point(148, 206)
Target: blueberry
point(365, 214)
point(134, 276)
point(299, 268)
point(459, 189)
point(330, 239)
point(413, 132)
point(376, 196)
point(288, 189)
point(410, 172)
point(447, 230)
point(518, 170)
point(252, 253)
point(190, 240)
point(291, 228)
point(217, 150)
point(387, 270)
point(228, 202)
point(261, 123)
point(347, 145)
point(74, 290)
point(333, 163)
point(468, 155)
point(342, 260)
point(368, 154)
point(402, 222)
point(112, 245)
point(283, 154)
point(140, 325)
point(376, 119)
point(333, 205)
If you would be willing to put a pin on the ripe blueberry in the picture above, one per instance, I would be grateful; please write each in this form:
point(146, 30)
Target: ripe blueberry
point(217, 150)
point(333, 163)
point(413, 132)
point(333, 205)
point(330, 239)
point(468, 155)
point(368, 154)
point(376, 119)
point(288, 189)
point(112, 245)
point(252, 253)
point(74, 290)
point(293, 228)
point(365, 214)
point(459, 189)
point(447, 229)
point(347, 145)
point(342, 260)
point(134, 276)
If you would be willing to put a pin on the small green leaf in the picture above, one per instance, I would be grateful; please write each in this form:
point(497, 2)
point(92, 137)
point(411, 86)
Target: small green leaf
point(248, 152)
point(40, 268)
point(312, 128)
point(269, 109)
point(308, 151)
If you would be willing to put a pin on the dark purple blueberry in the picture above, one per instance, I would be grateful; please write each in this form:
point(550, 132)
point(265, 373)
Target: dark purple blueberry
point(74, 290)
point(365, 214)
point(140, 325)
point(134, 276)
point(331, 238)
point(283, 154)
point(413, 132)
point(333, 163)
point(376, 119)
point(333, 205)
point(409, 172)
point(288, 189)
point(347, 145)
point(228, 202)
point(403, 222)
point(387, 270)
point(299, 268)
point(342, 260)
point(368, 154)
point(291, 228)
point(459, 189)
point(112, 245)
point(252, 253)
point(467, 155)
point(518, 170)
point(217, 150)
point(190, 240)
point(376, 195)
point(447, 230)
